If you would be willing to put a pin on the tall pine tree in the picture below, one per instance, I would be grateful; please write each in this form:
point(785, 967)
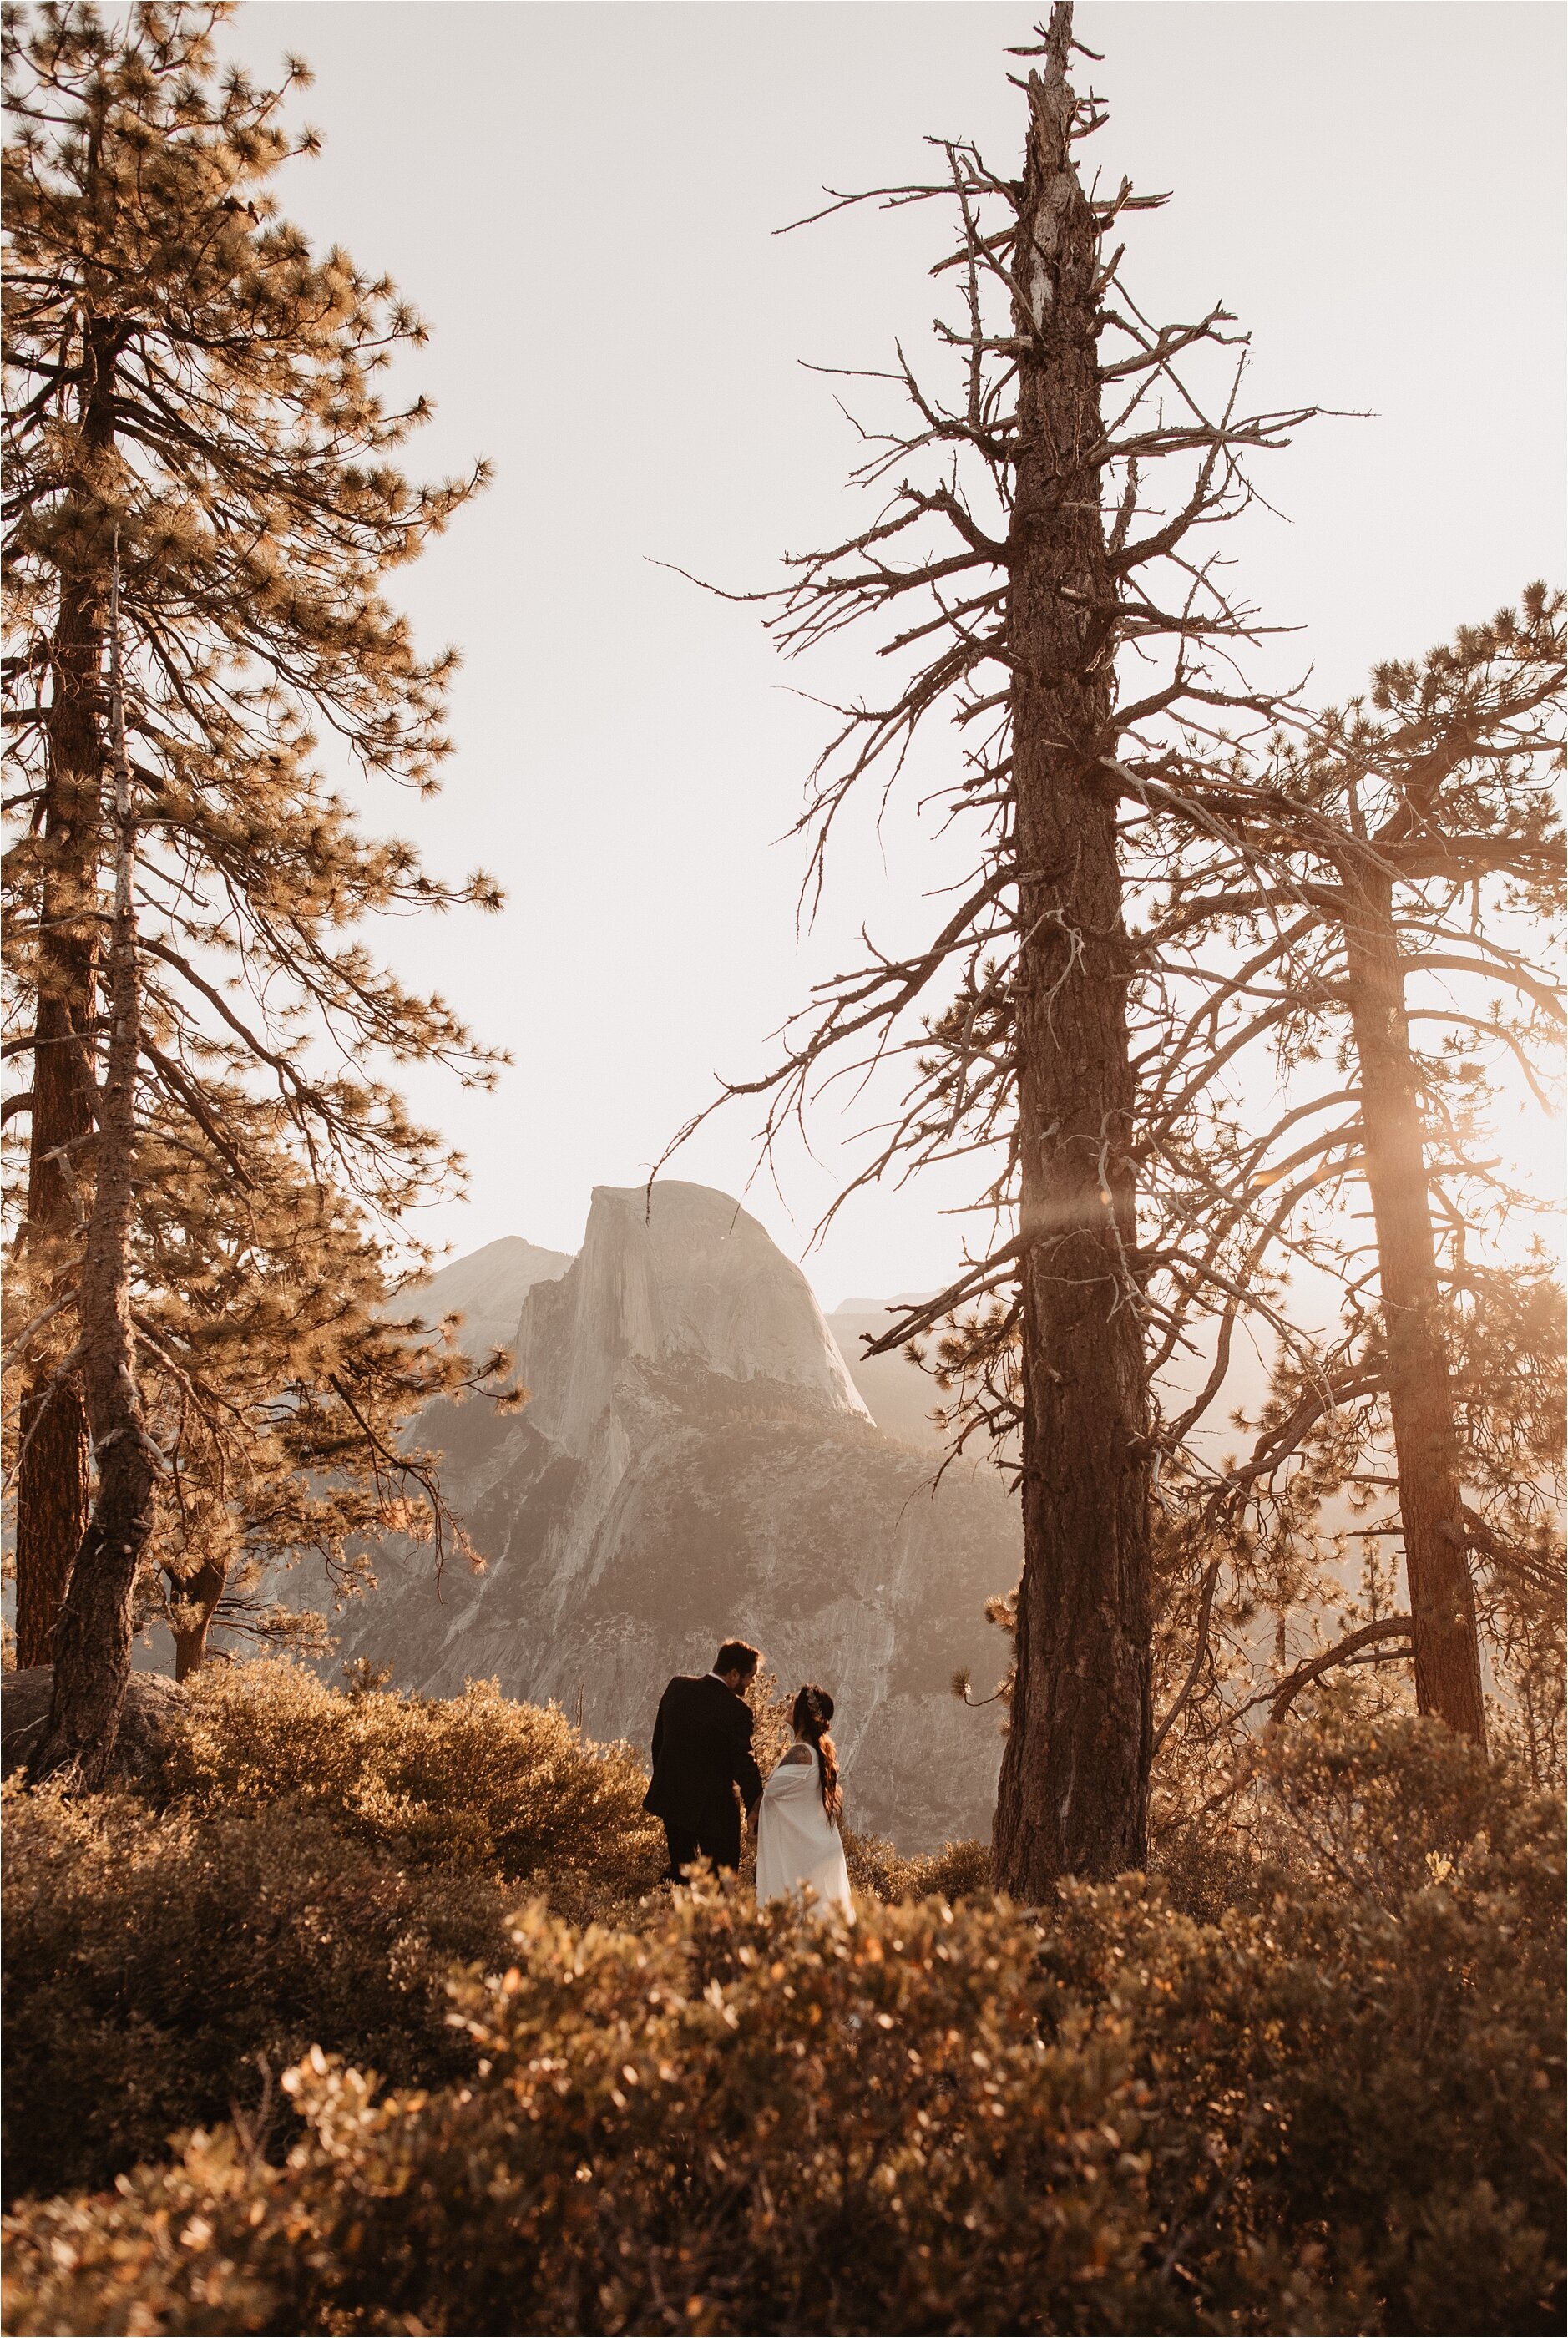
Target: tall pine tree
point(189, 381)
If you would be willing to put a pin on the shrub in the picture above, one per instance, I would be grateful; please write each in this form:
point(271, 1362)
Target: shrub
point(1383, 1808)
point(477, 1779)
point(474, 1781)
point(959, 1871)
point(1371, 2061)
point(1336, 2108)
point(311, 1865)
point(729, 2123)
point(165, 1970)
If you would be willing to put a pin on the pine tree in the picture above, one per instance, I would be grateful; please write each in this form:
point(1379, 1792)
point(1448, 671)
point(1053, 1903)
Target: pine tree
point(190, 383)
point(1393, 868)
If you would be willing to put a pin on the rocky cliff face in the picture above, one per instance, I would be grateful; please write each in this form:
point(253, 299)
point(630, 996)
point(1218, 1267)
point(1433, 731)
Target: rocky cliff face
point(679, 1272)
point(695, 1461)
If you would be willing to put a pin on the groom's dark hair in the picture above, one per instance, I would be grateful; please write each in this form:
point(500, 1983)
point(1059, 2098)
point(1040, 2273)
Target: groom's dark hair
point(737, 1656)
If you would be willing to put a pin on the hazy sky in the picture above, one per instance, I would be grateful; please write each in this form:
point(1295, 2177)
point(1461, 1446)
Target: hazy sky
point(581, 199)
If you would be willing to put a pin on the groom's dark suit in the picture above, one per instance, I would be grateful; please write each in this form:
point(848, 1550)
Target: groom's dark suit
point(702, 1752)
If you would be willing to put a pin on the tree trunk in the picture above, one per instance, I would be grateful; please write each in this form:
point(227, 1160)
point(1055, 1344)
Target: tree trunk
point(1420, 1397)
point(92, 1637)
point(198, 1595)
point(1073, 1792)
point(52, 1490)
point(51, 1506)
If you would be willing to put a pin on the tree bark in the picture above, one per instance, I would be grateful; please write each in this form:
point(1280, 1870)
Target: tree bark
point(198, 1594)
point(53, 1487)
point(52, 1508)
point(92, 1636)
point(1073, 1791)
point(1420, 1395)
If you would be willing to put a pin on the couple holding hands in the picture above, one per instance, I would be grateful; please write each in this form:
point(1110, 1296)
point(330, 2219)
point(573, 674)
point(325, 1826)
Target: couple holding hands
point(702, 1753)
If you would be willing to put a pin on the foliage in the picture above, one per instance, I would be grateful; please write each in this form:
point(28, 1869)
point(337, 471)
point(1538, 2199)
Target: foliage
point(1364, 2066)
point(198, 399)
point(1333, 2107)
point(722, 2124)
point(469, 1781)
point(477, 1779)
point(165, 1969)
point(314, 1862)
point(959, 1871)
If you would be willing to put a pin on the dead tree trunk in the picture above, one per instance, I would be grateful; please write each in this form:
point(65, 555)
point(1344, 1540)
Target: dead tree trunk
point(92, 1636)
point(1420, 1396)
point(1074, 1778)
point(1010, 597)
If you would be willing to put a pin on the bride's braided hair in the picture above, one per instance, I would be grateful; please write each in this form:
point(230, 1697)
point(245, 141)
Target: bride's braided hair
point(813, 1710)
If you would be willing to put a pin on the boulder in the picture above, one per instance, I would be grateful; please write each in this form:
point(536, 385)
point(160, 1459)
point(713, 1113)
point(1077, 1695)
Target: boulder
point(150, 1701)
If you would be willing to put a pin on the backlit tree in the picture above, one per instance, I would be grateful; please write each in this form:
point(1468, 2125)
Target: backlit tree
point(194, 391)
point(1039, 567)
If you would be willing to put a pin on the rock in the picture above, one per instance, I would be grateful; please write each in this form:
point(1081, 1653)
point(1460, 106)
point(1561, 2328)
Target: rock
point(150, 1701)
point(487, 1289)
point(680, 1271)
point(899, 1397)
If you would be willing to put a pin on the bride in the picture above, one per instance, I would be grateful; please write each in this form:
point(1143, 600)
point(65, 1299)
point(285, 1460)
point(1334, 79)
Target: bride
point(798, 1839)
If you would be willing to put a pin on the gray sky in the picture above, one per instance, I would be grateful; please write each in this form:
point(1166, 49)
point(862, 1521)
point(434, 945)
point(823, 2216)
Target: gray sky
point(581, 199)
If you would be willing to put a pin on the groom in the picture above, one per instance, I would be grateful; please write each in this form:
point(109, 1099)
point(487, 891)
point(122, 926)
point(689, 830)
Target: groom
point(702, 1752)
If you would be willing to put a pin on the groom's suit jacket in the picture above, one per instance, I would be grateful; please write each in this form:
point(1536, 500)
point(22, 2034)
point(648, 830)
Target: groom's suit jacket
point(702, 1752)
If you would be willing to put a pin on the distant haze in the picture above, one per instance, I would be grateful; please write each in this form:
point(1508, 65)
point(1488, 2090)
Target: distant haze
point(581, 199)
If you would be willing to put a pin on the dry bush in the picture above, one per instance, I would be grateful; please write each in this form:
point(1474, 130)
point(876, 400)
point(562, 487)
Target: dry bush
point(161, 1969)
point(1370, 2055)
point(959, 1871)
point(1337, 2108)
point(319, 1861)
point(1337, 2111)
point(477, 1779)
point(1355, 1789)
point(730, 2122)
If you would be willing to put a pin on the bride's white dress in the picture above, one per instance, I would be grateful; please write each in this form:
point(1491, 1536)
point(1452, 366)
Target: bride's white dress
point(797, 1843)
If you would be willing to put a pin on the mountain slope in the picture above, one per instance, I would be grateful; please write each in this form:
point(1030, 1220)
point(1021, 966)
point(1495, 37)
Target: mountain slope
point(486, 1287)
point(899, 1397)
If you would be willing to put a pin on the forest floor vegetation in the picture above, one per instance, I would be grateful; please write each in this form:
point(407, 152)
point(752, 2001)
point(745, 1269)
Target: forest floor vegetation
point(367, 2013)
